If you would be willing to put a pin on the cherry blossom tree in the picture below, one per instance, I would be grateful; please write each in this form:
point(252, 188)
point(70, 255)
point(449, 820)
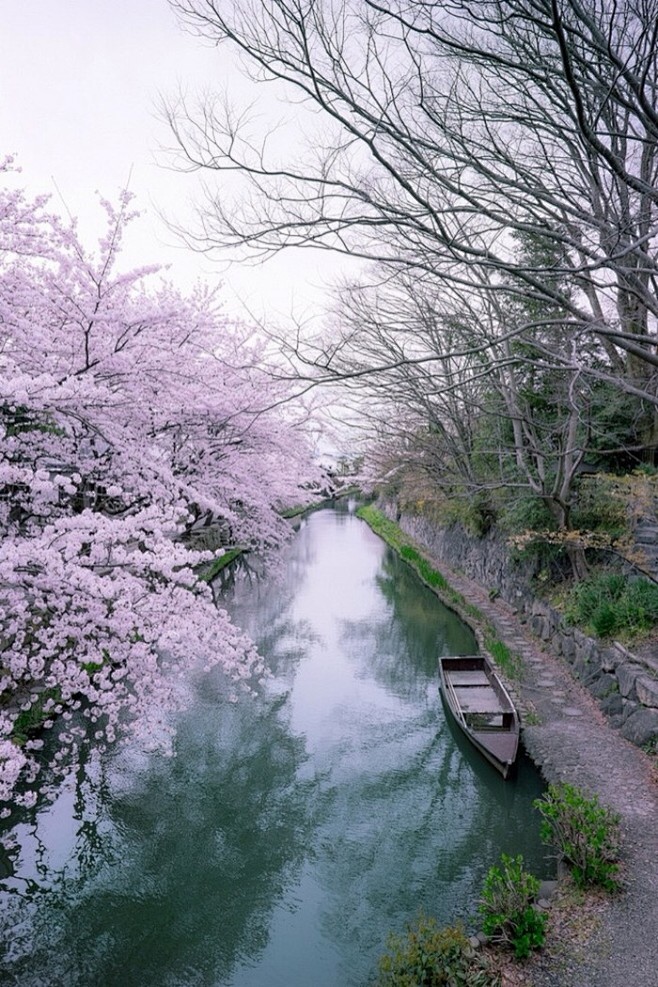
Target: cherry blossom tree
point(129, 415)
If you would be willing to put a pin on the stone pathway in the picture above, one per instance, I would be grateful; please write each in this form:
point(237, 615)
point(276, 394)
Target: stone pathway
point(569, 738)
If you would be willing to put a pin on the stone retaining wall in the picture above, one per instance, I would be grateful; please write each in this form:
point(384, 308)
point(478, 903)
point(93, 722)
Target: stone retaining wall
point(625, 684)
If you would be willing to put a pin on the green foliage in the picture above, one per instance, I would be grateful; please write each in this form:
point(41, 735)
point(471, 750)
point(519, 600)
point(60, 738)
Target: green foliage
point(29, 721)
point(585, 832)
point(521, 513)
point(473, 511)
point(422, 567)
point(429, 956)
point(510, 917)
point(393, 535)
point(213, 568)
point(601, 506)
point(610, 603)
point(508, 661)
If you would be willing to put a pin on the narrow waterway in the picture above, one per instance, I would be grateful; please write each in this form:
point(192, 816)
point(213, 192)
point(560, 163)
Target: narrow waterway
point(290, 832)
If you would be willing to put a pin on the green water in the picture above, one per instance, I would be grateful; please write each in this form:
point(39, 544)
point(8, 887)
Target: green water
point(289, 833)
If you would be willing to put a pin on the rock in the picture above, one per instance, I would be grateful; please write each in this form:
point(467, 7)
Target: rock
point(627, 676)
point(474, 942)
point(611, 658)
point(547, 890)
point(647, 690)
point(536, 625)
point(612, 705)
point(641, 727)
point(606, 685)
point(568, 647)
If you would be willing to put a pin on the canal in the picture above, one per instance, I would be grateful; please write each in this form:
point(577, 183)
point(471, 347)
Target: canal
point(291, 831)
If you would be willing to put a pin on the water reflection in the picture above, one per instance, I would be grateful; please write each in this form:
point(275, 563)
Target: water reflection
point(401, 648)
point(196, 850)
point(290, 833)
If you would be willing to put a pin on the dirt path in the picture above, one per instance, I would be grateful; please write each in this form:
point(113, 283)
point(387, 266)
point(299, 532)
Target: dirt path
point(568, 737)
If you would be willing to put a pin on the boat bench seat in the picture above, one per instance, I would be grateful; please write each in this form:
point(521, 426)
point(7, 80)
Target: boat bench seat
point(468, 677)
point(478, 699)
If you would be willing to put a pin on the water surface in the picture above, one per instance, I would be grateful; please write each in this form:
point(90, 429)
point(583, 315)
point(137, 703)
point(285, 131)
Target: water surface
point(290, 832)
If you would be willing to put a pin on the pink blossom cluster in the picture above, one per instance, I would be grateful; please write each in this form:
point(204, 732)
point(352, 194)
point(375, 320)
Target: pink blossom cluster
point(129, 415)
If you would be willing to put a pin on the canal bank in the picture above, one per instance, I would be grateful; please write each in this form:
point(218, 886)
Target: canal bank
point(568, 737)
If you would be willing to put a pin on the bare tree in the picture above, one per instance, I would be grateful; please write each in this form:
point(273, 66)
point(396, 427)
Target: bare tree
point(446, 127)
point(443, 138)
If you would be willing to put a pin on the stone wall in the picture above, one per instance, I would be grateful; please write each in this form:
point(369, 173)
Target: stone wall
point(625, 684)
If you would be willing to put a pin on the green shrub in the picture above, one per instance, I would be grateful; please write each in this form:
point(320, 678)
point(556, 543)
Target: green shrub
point(585, 833)
point(610, 603)
point(604, 620)
point(429, 956)
point(510, 917)
point(601, 505)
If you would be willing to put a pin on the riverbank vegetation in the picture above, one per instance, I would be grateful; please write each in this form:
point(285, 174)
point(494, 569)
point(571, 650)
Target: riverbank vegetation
point(586, 836)
point(508, 661)
point(133, 420)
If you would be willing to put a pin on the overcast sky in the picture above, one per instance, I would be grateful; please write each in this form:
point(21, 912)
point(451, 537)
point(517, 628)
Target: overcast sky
point(80, 82)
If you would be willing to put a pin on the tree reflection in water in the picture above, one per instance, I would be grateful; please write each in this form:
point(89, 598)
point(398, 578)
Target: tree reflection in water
point(227, 823)
point(291, 832)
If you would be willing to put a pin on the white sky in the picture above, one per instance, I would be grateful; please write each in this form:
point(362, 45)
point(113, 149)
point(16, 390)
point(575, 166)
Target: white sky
point(80, 82)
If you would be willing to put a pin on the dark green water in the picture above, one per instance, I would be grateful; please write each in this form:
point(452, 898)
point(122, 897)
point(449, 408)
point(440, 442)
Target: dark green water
point(290, 833)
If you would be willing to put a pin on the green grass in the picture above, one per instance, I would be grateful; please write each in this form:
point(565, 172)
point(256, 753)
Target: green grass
point(510, 663)
point(212, 569)
point(610, 604)
point(393, 535)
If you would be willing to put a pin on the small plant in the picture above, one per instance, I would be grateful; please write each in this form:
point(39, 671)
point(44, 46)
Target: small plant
point(510, 917)
point(609, 603)
point(430, 956)
point(508, 661)
point(585, 833)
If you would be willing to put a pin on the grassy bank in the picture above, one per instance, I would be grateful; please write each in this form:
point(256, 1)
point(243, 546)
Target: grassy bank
point(508, 661)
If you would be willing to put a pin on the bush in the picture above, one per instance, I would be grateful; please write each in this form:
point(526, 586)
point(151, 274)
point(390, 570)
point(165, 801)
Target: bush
point(602, 505)
point(585, 832)
point(429, 956)
point(609, 603)
point(510, 917)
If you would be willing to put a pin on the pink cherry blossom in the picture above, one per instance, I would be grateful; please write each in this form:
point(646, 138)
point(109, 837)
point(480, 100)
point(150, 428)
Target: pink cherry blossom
point(133, 419)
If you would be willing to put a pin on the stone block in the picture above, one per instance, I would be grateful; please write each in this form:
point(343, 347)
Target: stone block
point(568, 647)
point(613, 705)
point(627, 675)
point(641, 727)
point(536, 624)
point(611, 658)
point(647, 690)
point(580, 638)
point(585, 648)
point(586, 670)
point(605, 685)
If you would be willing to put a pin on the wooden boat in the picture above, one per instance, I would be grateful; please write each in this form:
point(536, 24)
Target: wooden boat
point(482, 707)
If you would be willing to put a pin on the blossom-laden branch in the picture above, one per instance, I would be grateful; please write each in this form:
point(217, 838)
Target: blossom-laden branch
point(129, 415)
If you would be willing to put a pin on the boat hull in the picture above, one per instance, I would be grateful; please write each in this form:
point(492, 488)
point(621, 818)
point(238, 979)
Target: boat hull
point(482, 708)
